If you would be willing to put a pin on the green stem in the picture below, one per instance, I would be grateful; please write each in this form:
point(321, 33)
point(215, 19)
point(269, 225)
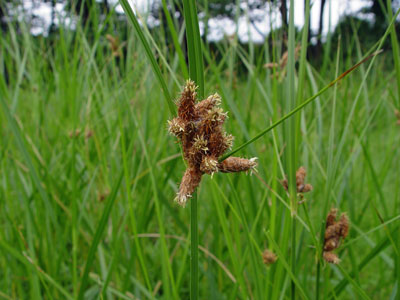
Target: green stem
point(318, 278)
point(194, 246)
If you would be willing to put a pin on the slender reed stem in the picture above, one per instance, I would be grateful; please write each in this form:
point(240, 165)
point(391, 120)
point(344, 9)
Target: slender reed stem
point(194, 246)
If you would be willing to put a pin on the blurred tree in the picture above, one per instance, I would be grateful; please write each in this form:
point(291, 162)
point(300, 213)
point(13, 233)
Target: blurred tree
point(284, 13)
point(5, 7)
point(3, 24)
point(379, 9)
point(320, 25)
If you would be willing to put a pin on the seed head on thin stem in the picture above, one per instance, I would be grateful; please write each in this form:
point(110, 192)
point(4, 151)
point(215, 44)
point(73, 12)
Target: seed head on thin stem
point(335, 231)
point(301, 186)
point(199, 129)
point(269, 257)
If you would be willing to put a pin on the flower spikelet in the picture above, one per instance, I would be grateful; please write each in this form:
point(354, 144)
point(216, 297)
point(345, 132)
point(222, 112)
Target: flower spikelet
point(269, 257)
point(199, 129)
point(301, 186)
point(331, 257)
point(176, 127)
point(190, 181)
point(237, 164)
point(335, 231)
point(209, 165)
point(186, 111)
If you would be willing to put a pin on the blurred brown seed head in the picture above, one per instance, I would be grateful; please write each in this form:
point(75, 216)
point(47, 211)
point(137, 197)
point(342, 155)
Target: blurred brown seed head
point(331, 257)
point(74, 134)
point(301, 186)
point(335, 231)
point(115, 45)
point(269, 257)
point(88, 133)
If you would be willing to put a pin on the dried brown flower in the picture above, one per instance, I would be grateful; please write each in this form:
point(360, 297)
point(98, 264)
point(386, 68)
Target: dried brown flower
point(281, 65)
point(300, 178)
point(115, 45)
point(74, 134)
point(334, 232)
point(331, 257)
point(198, 128)
point(269, 257)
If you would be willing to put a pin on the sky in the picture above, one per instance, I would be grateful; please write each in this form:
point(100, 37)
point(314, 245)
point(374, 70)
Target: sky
point(334, 9)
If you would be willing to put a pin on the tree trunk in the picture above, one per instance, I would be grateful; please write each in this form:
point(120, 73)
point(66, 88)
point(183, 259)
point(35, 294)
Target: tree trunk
point(283, 10)
point(3, 23)
point(320, 27)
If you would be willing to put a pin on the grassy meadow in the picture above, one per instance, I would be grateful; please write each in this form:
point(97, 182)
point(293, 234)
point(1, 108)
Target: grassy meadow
point(89, 173)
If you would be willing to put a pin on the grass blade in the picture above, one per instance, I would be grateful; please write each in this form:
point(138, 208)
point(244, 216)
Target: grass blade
point(194, 46)
point(99, 232)
point(196, 73)
point(156, 69)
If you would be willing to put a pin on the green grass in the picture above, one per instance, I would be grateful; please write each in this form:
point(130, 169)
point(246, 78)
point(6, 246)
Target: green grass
point(91, 215)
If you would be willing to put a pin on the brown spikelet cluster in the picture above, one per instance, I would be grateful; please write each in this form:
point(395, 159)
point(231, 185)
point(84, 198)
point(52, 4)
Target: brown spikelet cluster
point(397, 114)
point(302, 187)
point(269, 257)
point(115, 45)
point(198, 128)
point(281, 65)
point(334, 232)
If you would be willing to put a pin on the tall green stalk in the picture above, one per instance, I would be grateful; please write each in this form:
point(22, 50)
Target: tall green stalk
point(194, 255)
point(291, 153)
point(196, 73)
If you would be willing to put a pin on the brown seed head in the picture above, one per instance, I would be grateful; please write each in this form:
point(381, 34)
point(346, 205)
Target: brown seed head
point(199, 145)
point(335, 231)
point(331, 257)
point(190, 181)
point(176, 127)
point(209, 165)
point(187, 101)
point(331, 218)
point(203, 106)
point(269, 257)
point(344, 225)
point(199, 128)
point(301, 186)
point(237, 164)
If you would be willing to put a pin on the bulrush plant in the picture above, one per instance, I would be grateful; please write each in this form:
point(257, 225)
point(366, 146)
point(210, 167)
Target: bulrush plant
point(199, 129)
point(334, 232)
